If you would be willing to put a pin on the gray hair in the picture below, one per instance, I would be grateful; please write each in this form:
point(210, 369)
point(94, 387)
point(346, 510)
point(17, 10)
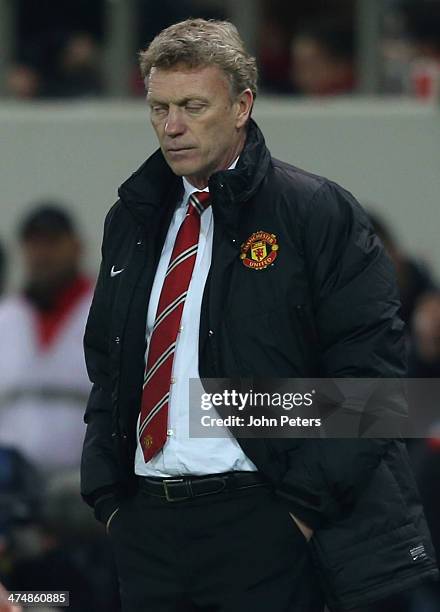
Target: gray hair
point(198, 43)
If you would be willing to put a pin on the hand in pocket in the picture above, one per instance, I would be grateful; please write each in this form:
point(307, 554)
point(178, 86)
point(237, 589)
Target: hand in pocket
point(305, 530)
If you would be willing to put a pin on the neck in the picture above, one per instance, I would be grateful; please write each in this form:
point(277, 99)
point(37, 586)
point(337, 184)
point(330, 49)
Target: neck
point(201, 181)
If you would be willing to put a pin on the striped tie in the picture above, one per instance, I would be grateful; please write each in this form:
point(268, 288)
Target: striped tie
point(162, 344)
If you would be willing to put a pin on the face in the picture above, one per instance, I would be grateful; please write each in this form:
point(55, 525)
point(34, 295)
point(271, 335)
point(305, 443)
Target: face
point(49, 259)
point(199, 125)
point(427, 327)
point(315, 72)
point(310, 66)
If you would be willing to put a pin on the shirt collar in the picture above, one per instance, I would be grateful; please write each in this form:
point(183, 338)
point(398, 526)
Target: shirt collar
point(190, 189)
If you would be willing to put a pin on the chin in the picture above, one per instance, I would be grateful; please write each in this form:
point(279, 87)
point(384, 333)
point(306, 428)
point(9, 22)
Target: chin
point(183, 169)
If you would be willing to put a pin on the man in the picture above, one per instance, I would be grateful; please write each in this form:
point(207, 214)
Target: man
point(323, 59)
point(227, 523)
point(43, 379)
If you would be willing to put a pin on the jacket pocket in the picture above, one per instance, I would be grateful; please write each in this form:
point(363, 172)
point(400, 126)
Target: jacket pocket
point(382, 563)
point(378, 509)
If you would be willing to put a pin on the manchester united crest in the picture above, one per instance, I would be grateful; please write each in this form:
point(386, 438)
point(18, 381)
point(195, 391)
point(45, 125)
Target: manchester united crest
point(148, 441)
point(259, 251)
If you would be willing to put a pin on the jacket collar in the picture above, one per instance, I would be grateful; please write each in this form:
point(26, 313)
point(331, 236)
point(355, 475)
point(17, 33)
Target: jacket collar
point(154, 184)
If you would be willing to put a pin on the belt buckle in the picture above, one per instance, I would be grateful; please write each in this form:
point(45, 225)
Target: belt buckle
point(165, 486)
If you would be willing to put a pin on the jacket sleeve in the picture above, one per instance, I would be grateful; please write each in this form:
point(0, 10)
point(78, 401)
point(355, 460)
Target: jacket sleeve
point(356, 305)
point(99, 469)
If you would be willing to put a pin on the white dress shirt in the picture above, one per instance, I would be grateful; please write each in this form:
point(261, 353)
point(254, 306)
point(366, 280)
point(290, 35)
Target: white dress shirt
point(182, 455)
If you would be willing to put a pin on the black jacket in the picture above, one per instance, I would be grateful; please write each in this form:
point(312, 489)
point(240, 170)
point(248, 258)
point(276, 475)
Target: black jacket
point(328, 307)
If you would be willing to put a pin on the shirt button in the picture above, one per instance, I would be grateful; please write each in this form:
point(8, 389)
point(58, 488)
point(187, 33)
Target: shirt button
point(170, 432)
point(211, 333)
point(173, 380)
point(181, 328)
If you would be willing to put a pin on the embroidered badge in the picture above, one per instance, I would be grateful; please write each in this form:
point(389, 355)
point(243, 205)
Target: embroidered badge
point(259, 251)
point(148, 441)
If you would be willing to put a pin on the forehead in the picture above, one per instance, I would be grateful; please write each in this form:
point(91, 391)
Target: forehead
point(184, 82)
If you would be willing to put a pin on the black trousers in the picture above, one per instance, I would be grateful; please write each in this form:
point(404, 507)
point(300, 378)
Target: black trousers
point(227, 552)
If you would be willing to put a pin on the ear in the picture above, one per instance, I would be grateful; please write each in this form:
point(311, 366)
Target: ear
point(244, 104)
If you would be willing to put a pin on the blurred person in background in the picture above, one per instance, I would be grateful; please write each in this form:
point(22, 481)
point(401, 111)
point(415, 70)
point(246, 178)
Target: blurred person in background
point(424, 37)
point(274, 58)
point(43, 379)
point(424, 29)
point(73, 71)
point(413, 276)
point(22, 490)
point(48, 539)
point(78, 70)
point(425, 358)
point(23, 82)
point(323, 59)
point(60, 548)
point(55, 42)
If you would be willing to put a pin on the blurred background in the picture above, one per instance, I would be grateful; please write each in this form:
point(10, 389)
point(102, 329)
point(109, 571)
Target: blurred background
point(348, 88)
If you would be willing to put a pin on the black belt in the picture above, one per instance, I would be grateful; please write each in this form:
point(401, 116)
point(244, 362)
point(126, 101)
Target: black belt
point(187, 487)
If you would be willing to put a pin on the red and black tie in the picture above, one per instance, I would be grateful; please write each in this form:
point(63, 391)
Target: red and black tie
point(157, 378)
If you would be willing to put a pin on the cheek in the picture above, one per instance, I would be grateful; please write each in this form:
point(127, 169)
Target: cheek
point(218, 136)
point(157, 130)
point(158, 127)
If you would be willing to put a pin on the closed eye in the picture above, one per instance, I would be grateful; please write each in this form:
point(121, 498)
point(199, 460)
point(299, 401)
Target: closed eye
point(195, 107)
point(159, 109)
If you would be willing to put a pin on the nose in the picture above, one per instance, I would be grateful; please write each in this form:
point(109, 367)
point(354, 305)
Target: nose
point(174, 125)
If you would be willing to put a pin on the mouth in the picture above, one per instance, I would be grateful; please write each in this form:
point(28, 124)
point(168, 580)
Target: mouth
point(179, 150)
point(179, 155)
